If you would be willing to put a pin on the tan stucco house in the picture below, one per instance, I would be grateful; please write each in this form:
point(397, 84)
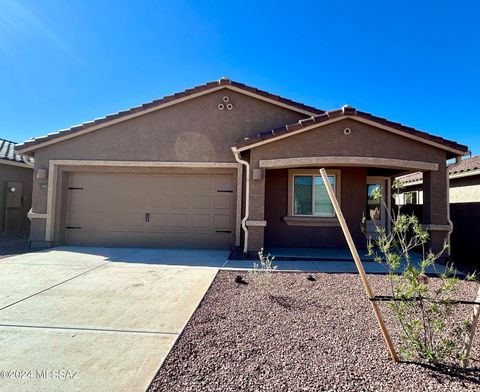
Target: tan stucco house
point(225, 165)
point(16, 178)
point(464, 183)
point(464, 200)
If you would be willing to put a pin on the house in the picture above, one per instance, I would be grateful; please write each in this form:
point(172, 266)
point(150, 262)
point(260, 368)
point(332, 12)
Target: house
point(464, 199)
point(226, 165)
point(16, 178)
point(464, 177)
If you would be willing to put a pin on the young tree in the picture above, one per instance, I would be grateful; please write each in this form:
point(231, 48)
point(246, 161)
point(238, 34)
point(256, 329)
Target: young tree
point(423, 307)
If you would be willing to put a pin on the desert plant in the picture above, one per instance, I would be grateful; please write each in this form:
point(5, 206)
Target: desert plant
point(262, 271)
point(423, 307)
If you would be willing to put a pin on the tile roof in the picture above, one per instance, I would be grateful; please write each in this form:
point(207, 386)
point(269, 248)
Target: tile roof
point(411, 178)
point(169, 98)
point(344, 112)
point(7, 153)
point(464, 166)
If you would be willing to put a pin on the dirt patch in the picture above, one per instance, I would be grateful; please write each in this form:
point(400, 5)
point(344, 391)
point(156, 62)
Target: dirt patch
point(311, 336)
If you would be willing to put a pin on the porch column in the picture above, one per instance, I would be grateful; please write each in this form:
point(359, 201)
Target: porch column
point(257, 210)
point(435, 206)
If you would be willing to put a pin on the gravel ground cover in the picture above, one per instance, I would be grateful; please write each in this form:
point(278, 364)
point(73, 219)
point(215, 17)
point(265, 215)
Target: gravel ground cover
point(312, 336)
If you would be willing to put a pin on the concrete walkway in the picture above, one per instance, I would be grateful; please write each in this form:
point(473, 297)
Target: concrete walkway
point(326, 260)
point(96, 319)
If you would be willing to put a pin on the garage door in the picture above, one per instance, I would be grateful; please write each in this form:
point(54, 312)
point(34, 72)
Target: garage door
point(174, 210)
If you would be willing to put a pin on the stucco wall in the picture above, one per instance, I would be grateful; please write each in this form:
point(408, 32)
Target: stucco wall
point(17, 217)
point(279, 234)
point(364, 141)
point(465, 190)
point(194, 130)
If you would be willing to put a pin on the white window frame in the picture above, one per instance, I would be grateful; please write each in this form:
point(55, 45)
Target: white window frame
point(313, 173)
point(410, 194)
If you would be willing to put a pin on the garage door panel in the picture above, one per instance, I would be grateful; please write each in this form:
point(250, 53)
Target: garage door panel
point(85, 218)
point(79, 198)
point(159, 200)
point(220, 240)
point(178, 221)
point(158, 220)
point(222, 222)
point(116, 220)
point(222, 202)
point(134, 218)
point(179, 201)
point(201, 183)
point(224, 183)
point(175, 183)
point(186, 210)
point(201, 221)
point(75, 235)
point(201, 202)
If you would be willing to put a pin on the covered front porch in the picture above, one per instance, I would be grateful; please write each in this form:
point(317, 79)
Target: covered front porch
point(286, 201)
point(297, 212)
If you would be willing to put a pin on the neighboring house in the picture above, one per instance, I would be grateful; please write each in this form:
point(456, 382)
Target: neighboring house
point(16, 177)
point(464, 195)
point(225, 165)
point(464, 176)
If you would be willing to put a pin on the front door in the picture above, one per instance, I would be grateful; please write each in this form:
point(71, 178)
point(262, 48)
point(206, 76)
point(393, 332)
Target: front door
point(376, 214)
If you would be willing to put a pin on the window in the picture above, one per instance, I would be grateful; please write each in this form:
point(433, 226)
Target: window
point(411, 197)
point(310, 197)
point(374, 207)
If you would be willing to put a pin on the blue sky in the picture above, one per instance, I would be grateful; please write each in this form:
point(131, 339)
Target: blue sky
point(415, 62)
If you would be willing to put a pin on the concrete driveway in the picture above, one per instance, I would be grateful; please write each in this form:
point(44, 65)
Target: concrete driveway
point(96, 319)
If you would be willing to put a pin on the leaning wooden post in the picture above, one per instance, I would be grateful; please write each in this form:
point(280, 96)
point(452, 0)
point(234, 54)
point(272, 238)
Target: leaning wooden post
point(471, 330)
point(359, 265)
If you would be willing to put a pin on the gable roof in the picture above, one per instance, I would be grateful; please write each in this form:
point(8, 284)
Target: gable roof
point(9, 156)
point(466, 167)
point(349, 112)
point(37, 142)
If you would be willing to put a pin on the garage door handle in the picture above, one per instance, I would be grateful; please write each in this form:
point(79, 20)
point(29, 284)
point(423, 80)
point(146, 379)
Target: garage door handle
point(73, 227)
point(224, 191)
point(223, 231)
point(147, 217)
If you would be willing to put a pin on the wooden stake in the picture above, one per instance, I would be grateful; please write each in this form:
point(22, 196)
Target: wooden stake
point(359, 265)
point(471, 330)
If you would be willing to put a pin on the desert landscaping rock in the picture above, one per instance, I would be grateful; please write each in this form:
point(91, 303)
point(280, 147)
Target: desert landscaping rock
point(311, 336)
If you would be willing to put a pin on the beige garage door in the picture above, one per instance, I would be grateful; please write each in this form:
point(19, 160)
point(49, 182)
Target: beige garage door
point(174, 210)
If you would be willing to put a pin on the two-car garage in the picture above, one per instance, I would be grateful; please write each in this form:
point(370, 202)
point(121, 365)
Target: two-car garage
point(179, 209)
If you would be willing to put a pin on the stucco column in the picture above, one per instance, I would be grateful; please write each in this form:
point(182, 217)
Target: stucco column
point(435, 206)
point(257, 211)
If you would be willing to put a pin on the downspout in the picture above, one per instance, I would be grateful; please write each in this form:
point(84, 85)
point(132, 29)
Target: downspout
point(450, 223)
point(236, 153)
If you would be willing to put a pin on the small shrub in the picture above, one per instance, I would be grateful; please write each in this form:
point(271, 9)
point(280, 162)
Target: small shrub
point(424, 307)
point(262, 271)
